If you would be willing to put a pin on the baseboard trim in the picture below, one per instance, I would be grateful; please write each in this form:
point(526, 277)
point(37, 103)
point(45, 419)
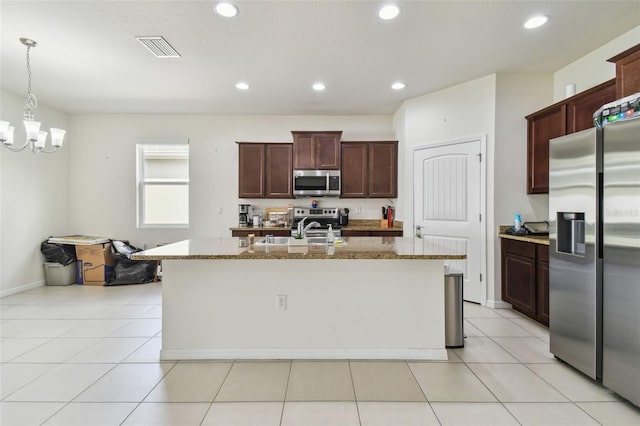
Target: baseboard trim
point(296, 353)
point(498, 304)
point(21, 288)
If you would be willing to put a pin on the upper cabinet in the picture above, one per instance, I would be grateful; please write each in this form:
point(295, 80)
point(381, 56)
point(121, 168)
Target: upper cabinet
point(251, 170)
point(575, 114)
point(568, 116)
point(627, 72)
point(369, 169)
point(316, 150)
point(265, 170)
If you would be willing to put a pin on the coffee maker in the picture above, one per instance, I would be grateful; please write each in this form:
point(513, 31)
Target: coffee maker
point(243, 215)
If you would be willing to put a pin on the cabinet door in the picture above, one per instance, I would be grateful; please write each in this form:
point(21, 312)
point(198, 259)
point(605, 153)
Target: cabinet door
point(303, 151)
point(327, 150)
point(543, 292)
point(542, 277)
point(383, 170)
point(519, 276)
point(354, 170)
point(279, 171)
point(251, 170)
point(544, 125)
point(580, 108)
point(627, 72)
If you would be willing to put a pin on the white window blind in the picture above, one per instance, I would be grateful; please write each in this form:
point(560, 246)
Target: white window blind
point(163, 185)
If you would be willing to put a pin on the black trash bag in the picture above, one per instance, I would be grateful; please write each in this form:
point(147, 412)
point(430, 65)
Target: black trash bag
point(133, 272)
point(63, 254)
point(129, 271)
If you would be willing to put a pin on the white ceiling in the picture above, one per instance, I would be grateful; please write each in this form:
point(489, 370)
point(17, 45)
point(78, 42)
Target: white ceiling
point(88, 60)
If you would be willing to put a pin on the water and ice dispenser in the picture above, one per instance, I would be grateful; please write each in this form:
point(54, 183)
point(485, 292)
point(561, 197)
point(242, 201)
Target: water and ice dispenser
point(571, 233)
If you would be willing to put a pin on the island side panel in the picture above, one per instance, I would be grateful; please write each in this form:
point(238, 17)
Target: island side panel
point(364, 309)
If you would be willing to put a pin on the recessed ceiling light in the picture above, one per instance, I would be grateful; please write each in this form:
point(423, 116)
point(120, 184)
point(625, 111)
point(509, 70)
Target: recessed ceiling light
point(242, 86)
point(398, 85)
point(389, 11)
point(535, 22)
point(318, 87)
point(227, 10)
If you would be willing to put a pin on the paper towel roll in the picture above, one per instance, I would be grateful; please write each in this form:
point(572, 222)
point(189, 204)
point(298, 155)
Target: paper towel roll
point(570, 90)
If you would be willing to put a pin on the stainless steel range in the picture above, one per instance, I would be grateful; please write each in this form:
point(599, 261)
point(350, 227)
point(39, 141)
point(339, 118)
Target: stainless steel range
point(317, 221)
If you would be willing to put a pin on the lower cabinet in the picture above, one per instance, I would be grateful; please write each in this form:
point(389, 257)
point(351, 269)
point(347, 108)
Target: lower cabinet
point(365, 233)
point(261, 232)
point(525, 278)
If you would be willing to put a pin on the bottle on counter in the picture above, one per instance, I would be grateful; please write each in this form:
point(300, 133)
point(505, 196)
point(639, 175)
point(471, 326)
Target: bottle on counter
point(517, 222)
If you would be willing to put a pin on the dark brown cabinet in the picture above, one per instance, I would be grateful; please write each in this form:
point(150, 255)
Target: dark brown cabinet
point(525, 278)
point(276, 232)
point(265, 170)
point(568, 116)
point(541, 127)
point(354, 170)
point(251, 170)
point(279, 171)
point(627, 71)
point(542, 275)
point(369, 169)
point(363, 233)
point(316, 150)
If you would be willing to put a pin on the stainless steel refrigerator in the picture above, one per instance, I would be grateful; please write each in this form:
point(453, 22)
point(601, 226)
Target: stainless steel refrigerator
point(594, 253)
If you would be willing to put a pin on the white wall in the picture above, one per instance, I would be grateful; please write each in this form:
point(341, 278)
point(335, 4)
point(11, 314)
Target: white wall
point(34, 197)
point(517, 95)
point(463, 111)
point(103, 173)
point(593, 69)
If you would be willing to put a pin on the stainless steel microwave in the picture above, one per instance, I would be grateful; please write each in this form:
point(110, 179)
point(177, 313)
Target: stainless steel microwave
point(316, 183)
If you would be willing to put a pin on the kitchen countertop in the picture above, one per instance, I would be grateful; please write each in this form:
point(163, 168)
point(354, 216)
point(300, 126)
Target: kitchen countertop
point(355, 248)
point(535, 239)
point(354, 225)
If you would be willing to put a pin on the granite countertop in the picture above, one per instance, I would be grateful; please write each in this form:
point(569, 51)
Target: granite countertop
point(355, 248)
point(354, 225)
point(535, 239)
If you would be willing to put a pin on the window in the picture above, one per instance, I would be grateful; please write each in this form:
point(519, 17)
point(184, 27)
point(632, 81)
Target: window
point(163, 185)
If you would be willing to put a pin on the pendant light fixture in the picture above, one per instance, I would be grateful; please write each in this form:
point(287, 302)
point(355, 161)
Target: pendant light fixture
point(36, 139)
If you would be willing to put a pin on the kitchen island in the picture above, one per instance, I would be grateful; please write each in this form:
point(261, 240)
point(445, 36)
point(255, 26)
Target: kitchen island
point(371, 298)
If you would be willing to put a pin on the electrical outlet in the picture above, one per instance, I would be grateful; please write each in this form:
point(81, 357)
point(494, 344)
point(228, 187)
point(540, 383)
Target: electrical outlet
point(358, 210)
point(219, 210)
point(281, 302)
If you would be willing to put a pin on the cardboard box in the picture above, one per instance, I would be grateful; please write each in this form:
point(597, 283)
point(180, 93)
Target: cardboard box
point(95, 264)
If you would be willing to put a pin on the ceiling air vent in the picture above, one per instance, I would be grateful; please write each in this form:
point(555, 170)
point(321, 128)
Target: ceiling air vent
point(158, 46)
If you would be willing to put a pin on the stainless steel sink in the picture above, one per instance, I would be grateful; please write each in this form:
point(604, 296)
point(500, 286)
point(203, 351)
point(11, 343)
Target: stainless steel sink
point(274, 241)
point(283, 241)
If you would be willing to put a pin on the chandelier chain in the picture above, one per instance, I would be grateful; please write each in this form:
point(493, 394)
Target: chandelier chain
point(32, 101)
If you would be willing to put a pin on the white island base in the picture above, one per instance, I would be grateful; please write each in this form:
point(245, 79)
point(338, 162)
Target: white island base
point(335, 309)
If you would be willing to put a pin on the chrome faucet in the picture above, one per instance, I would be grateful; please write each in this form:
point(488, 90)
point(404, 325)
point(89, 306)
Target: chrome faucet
point(300, 227)
point(309, 226)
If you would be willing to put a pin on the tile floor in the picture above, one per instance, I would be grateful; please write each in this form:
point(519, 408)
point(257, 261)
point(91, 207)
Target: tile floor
point(89, 356)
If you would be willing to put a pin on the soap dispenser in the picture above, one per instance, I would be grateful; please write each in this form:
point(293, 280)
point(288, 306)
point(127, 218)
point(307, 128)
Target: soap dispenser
point(330, 235)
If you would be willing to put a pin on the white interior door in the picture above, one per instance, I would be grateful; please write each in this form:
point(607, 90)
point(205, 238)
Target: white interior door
point(448, 204)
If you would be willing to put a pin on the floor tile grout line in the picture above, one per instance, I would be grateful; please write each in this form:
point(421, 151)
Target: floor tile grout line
point(284, 399)
point(489, 389)
point(424, 394)
point(355, 395)
point(233, 362)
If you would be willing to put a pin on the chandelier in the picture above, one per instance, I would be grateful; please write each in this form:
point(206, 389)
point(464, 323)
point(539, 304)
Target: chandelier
point(36, 138)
